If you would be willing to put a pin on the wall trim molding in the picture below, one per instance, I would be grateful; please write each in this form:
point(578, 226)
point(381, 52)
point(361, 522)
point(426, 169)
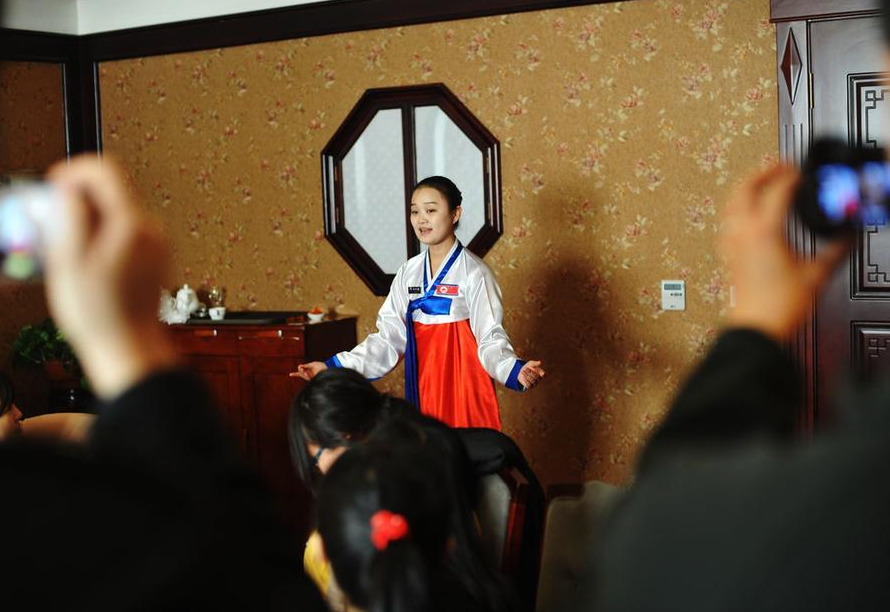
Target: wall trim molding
point(300, 21)
point(798, 10)
point(78, 87)
point(82, 54)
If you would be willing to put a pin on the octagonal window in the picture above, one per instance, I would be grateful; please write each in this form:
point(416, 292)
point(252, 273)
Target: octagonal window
point(393, 138)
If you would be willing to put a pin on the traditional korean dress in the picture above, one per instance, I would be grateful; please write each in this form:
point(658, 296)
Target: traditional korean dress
point(451, 335)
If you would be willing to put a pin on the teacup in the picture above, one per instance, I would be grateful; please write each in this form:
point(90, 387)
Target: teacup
point(217, 313)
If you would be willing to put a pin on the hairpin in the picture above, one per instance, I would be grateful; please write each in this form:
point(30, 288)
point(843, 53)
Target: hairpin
point(387, 527)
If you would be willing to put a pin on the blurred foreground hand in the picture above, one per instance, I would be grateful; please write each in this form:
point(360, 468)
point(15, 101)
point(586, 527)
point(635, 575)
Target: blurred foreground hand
point(103, 273)
point(774, 288)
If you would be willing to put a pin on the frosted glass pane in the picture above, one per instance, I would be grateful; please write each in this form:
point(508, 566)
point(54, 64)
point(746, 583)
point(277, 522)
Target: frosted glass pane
point(442, 148)
point(374, 191)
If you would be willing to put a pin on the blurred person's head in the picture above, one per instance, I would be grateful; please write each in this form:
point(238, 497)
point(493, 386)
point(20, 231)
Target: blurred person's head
point(10, 415)
point(384, 521)
point(337, 409)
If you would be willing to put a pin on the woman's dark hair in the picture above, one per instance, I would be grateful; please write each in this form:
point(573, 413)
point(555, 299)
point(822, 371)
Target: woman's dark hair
point(338, 407)
point(446, 187)
point(7, 393)
point(407, 573)
point(484, 586)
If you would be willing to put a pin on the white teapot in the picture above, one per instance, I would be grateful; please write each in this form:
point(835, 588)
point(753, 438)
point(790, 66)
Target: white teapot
point(186, 300)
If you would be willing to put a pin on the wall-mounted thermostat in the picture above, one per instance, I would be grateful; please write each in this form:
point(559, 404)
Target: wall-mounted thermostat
point(673, 295)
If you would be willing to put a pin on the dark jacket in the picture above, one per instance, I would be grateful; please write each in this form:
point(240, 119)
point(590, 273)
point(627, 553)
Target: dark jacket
point(729, 512)
point(155, 512)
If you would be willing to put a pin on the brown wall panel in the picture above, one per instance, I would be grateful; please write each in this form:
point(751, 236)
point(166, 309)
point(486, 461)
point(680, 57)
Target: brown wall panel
point(622, 126)
point(32, 136)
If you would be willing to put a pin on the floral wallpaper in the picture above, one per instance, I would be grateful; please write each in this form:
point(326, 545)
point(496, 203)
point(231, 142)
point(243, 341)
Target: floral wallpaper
point(622, 125)
point(32, 136)
point(32, 116)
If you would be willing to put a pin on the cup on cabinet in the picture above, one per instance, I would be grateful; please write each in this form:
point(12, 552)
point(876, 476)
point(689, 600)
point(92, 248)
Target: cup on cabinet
point(217, 313)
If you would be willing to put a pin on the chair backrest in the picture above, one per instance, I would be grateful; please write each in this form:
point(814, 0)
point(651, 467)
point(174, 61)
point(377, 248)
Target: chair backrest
point(509, 508)
point(572, 531)
point(500, 510)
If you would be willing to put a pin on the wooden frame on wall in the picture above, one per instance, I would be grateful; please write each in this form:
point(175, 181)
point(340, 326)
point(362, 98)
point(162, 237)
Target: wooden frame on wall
point(79, 89)
point(406, 99)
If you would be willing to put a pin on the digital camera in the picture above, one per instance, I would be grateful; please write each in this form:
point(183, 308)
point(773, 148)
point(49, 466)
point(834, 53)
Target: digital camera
point(843, 188)
point(28, 216)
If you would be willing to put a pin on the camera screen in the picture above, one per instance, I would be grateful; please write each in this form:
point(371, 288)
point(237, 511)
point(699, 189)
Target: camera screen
point(24, 215)
point(854, 195)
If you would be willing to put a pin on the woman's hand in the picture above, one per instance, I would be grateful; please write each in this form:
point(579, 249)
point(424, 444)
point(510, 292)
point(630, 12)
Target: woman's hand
point(307, 371)
point(531, 374)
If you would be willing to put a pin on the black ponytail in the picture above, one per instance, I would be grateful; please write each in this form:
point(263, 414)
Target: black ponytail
point(400, 580)
point(467, 562)
point(401, 571)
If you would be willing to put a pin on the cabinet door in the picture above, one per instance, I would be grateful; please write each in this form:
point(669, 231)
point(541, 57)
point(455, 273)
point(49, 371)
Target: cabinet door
point(266, 394)
point(220, 373)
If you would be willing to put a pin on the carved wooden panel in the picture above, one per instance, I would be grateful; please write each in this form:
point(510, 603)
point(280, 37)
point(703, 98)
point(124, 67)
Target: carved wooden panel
point(794, 96)
point(868, 96)
point(871, 347)
point(873, 278)
point(791, 66)
point(794, 137)
point(867, 109)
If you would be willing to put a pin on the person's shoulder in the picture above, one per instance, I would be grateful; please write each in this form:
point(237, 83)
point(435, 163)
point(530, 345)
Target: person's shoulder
point(411, 266)
point(415, 259)
point(413, 262)
point(476, 266)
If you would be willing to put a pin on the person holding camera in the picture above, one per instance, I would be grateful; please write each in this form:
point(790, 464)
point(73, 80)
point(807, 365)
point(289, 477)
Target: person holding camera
point(155, 510)
point(728, 511)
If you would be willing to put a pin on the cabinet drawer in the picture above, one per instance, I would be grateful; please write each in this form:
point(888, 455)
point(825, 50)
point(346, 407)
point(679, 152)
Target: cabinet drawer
point(275, 342)
point(205, 341)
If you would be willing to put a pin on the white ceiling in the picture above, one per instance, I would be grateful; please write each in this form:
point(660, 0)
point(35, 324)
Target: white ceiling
point(92, 16)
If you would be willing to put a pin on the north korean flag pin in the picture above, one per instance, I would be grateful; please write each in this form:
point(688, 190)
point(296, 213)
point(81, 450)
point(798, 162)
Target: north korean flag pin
point(447, 290)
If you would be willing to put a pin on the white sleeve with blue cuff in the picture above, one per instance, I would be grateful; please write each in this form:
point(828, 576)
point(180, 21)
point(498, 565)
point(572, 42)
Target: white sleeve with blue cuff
point(496, 353)
point(381, 351)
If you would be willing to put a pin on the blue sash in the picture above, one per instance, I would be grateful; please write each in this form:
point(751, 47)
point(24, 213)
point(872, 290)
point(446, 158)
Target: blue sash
point(430, 303)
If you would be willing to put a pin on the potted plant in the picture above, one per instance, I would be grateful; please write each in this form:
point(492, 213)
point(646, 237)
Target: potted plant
point(43, 344)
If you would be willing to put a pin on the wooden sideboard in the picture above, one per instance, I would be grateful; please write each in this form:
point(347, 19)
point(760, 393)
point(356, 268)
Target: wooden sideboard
point(246, 367)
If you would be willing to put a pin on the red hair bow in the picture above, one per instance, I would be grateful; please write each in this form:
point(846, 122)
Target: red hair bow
point(387, 527)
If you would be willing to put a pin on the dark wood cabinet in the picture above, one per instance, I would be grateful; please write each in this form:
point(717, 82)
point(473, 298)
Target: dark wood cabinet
point(246, 367)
